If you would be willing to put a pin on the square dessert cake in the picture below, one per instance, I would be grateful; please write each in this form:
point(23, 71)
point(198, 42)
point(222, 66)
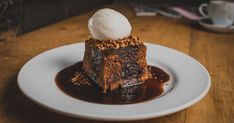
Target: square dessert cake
point(116, 63)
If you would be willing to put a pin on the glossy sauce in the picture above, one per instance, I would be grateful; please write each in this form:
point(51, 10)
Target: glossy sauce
point(75, 83)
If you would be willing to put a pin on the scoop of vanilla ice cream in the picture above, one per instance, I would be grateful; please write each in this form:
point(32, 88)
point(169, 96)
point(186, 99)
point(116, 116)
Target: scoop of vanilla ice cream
point(108, 24)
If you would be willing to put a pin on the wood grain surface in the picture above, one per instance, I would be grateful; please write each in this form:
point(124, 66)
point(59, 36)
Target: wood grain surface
point(214, 50)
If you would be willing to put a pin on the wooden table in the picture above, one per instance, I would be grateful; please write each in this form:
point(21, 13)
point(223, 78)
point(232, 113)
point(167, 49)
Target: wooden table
point(215, 51)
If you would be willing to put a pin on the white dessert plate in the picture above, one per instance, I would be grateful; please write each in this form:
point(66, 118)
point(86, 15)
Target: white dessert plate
point(191, 81)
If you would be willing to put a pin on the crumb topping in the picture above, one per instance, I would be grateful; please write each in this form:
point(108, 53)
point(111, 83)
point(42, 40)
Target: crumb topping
point(114, 44)
point(79, 79)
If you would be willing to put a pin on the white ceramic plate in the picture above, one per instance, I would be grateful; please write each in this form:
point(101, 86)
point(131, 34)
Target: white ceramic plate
point(191, 81)
point(208, 24)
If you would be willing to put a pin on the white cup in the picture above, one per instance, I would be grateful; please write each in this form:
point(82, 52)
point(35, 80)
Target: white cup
point(220, 12)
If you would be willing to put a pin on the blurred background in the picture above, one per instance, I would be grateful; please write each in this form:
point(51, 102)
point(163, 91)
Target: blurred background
point(22, 16)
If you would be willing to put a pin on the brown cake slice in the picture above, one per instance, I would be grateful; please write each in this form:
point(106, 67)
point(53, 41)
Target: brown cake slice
point(116, 63)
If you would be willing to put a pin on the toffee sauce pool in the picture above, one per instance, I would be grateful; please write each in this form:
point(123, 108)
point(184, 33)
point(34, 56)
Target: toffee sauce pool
point(73, 82)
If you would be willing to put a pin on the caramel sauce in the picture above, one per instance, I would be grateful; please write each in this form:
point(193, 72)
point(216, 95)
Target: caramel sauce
point(75, 83)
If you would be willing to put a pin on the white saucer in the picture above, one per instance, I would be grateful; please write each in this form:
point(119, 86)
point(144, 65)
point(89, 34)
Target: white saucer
point(207, 23)
point(36, 80)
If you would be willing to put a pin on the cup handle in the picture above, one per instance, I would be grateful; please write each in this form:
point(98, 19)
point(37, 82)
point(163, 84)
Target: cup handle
point(201, 10)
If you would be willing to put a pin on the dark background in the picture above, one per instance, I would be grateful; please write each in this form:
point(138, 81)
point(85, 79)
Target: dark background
point(38, 13)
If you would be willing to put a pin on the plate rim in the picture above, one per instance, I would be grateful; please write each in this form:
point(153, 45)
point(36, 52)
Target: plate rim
point(125, 118)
